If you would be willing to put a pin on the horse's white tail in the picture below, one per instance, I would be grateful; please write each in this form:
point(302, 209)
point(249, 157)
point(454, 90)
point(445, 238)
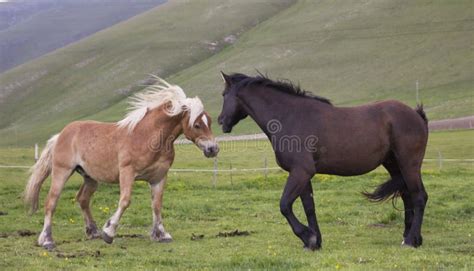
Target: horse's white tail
point(39, 172)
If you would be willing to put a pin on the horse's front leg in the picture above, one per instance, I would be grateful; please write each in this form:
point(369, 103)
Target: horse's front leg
point(310, 211)
point(158, 232)
point(295, 186)
point(127, 177)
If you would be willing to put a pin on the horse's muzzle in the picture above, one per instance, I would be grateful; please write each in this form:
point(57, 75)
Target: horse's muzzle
point(211, 151)
point(226, 129)
point(208, 147)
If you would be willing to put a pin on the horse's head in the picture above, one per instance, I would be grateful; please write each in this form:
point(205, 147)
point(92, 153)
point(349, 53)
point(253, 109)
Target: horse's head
point(200, 133)
point(232, 111)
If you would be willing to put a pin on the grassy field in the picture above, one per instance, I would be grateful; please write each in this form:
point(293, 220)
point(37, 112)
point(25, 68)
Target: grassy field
point(349, 51)
point(357, 234)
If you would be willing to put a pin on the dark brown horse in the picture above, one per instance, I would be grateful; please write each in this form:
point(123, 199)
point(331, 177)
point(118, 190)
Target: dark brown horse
point(309, 135)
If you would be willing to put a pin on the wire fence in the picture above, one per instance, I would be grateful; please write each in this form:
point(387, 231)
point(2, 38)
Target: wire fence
point(218, 172)
point(216, 168)
point(225, 166)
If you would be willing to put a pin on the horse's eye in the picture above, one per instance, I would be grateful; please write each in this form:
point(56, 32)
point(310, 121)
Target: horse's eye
point(197, 126)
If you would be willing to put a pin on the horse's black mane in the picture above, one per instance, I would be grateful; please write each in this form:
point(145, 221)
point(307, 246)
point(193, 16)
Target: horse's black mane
point(242, 80)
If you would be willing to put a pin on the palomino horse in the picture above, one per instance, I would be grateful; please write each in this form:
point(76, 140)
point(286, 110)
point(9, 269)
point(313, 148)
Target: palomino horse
point(309, 135)
point(138, 147)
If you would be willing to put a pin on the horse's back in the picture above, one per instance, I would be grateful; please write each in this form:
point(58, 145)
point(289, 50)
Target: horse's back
point(87, 132)
point(91, 145)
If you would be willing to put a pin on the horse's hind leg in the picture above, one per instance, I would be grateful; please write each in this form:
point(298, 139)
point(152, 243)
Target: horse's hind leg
point(59, 177)
point(83, 198)
point(415, 197)
point(395, 174)
point(416, 192)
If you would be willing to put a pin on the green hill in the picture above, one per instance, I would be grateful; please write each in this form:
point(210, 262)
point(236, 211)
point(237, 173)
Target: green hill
point(352, 52)
point(41, 96)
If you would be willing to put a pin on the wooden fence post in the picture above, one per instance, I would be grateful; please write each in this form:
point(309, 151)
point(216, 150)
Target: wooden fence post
point(265, 166)
point(214, 176)
point(231, 181)
point(440, 160)
point(36, 152)
point(417, 92)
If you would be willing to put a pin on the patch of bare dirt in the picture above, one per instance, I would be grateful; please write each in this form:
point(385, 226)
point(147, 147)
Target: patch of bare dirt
point(233, 233)
point(130, 236)
point(20, 233)
point(196, 237)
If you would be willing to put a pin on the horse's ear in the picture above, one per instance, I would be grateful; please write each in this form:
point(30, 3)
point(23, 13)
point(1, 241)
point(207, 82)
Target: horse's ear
point(226, 79)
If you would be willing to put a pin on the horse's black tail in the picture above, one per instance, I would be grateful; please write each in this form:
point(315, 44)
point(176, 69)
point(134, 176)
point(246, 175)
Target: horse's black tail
point(419, 109)
point(389, 189)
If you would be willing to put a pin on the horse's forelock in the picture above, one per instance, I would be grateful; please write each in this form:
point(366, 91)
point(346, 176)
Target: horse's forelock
point(156, 95)
point(195, 108)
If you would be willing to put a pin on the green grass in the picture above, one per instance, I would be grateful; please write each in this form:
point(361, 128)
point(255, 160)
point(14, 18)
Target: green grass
point(349, 51)
point(357, 234)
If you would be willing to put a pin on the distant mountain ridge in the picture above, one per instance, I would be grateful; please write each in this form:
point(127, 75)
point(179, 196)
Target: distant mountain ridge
point(29, 29)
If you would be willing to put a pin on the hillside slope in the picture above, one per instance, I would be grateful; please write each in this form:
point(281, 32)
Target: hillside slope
point(40, 97)
point(352, 52)
point(31, 29)
point(355, 52)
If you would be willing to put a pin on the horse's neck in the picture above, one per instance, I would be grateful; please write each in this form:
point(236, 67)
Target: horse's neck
point(165, 132)
point(264, 107)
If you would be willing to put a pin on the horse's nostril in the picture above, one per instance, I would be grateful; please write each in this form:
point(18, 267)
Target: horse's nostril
point(212, 149)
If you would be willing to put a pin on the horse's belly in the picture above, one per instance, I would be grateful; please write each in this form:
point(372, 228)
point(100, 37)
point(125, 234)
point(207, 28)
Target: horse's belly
point(350, 164)
point(101, 173)
point(345, 169)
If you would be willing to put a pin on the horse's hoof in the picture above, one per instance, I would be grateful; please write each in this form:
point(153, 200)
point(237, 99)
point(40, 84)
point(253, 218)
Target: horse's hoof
point(311, 248)
point(161, 237)
point(412, 242)
point(312, 244)
point(108, 239)
point(165, 238)
point(93, 233)
point(49, 246)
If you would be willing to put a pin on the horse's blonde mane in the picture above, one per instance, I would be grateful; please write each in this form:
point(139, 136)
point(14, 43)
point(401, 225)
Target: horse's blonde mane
point(156, 95)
